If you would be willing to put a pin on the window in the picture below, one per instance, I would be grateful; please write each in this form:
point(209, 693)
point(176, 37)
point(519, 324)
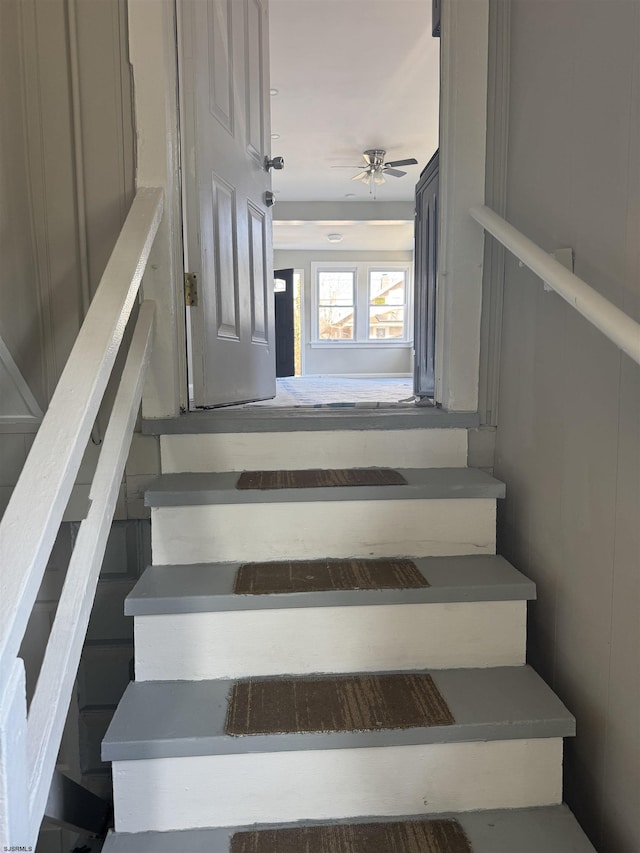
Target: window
point(362, 304)
point(336, 305)
point(387, 304)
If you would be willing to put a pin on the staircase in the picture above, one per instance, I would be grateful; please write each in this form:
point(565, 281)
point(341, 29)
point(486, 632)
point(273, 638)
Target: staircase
point(184, 782)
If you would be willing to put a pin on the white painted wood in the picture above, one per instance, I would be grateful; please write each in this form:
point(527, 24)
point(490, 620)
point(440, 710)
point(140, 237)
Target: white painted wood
point(240, 644)
point(153, 56)
point(463, 124)
point(415, 528)
point(15, 828)
point(227, 790)
point(619, 327)
point(53, 692)
point(407, 448)
point(225, 92)
point(29, 527)
point(17, 403)
point(498, 80)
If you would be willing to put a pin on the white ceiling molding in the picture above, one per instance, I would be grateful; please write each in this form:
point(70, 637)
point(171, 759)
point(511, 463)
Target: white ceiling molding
point(18, 406)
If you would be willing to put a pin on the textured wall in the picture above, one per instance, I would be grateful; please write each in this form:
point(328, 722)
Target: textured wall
point(568, 441)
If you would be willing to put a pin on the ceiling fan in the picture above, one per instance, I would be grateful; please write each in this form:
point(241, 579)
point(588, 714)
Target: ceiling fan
point(374, 170)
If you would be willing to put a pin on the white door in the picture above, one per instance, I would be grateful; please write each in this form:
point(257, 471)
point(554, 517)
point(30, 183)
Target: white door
point(225, 141)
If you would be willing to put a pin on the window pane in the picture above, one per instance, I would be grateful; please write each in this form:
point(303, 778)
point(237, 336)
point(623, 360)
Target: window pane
point(387, 287)
point(335, 288)
point(335, 324)
point(386, 323)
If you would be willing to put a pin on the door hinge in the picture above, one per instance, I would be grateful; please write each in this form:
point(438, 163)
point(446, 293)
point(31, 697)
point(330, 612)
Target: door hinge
point(190, 289)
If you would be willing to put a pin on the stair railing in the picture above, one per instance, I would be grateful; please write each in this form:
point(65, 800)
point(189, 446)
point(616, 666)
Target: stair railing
point(623, 330)
point(29, 741)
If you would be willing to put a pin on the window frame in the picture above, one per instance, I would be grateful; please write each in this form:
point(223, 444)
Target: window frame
point(362, 272)
point(329, 268)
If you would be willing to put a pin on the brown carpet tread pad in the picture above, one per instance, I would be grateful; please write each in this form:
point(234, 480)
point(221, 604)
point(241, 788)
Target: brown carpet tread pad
point(416, 836)
point(337, 703)
point(319, 478)
point(325, 575)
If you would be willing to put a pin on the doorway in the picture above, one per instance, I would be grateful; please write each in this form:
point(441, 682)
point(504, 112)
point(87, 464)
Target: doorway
point(328, 224)
point(466, 28)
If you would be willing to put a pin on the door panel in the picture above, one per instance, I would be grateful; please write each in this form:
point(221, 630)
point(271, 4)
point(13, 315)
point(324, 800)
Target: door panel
point(223, 275)
point(426, 272)
point(256, 68)
point(225, 90)
point(259, 281)
point(220, 62)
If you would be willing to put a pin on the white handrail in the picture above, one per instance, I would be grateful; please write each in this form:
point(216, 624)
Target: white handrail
point(29, 527)
point(29, 745)
point(53, 692)
point(623, 330)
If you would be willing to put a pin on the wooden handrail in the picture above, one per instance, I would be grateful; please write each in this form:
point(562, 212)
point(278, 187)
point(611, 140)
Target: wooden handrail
point(604, 315)
point(29, 745)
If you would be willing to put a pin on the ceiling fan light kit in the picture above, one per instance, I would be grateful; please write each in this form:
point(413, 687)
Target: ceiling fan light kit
point(375, 168)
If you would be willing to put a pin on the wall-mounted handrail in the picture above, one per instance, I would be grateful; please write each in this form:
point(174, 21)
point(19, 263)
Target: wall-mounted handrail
point(623, 330)
point(29, 745)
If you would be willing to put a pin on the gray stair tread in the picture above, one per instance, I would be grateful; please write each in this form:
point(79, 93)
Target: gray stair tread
point(299, 419)
point(208, 587)
point(422, 483)
point(162, 719)
point(552, 829)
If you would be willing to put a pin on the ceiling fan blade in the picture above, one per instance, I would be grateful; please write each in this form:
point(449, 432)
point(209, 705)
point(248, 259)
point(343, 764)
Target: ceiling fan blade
point(358, 166)
point(395, 172)
point(361, 176)
point(410, 162)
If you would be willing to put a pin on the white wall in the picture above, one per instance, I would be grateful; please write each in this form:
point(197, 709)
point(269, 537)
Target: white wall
point(360, 360)
point(568, 440)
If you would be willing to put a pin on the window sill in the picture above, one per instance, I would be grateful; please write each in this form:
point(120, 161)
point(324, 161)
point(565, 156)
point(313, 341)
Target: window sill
point(360, 344)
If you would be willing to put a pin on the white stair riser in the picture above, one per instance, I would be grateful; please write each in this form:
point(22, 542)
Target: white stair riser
point(227, 790)
point(407, 448)
point(240, 644)
point(308, 530)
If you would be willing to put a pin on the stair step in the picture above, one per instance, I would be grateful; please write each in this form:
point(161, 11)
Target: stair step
point(170, 490)
point(208, 587)
point(222, 421)
point(503, 751)
point(472, 614)
point(185, 718)
point(551, 829)
point(440, 512)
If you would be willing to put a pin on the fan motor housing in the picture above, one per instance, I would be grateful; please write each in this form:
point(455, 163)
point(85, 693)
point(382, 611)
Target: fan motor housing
point(376, 156)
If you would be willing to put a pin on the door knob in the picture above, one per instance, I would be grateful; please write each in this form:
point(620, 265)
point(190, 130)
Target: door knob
point(269, 198)
point(274, 163)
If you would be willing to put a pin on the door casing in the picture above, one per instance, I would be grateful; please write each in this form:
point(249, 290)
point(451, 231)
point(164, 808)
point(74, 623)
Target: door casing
point(463, 116)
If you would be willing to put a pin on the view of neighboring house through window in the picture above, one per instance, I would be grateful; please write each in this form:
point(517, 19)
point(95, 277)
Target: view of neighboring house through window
point(387, 304)
point(362, 303)
point(336, 304)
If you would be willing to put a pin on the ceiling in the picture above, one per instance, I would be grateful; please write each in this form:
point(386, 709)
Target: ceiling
point(351, 75)
point(372, 235)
